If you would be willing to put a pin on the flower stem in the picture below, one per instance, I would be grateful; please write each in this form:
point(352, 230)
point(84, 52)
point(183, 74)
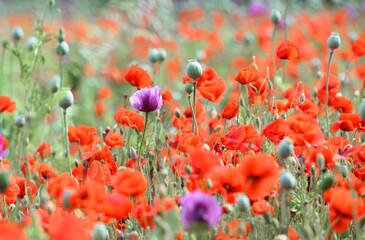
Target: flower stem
point(141, 143)
point(224, 129)
point(194, 118)
point(194, 102)
point(66, 141)
point(273, 85)
point(328, 73)
point(295, 94)
point(61, 72)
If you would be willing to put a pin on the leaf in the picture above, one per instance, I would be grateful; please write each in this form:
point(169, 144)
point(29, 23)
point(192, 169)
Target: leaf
point(173, 219)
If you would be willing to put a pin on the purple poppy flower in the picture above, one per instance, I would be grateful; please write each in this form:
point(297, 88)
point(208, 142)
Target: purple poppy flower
point(3, 152)
point(256, 8)
point(147, 99)
point(199, 211)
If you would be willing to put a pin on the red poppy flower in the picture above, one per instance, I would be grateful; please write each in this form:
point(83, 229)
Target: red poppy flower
point(6, 104)
point(247, 75)
point(138, 77)
point(130, 182)
point(213, 90)
point(99, 108)
point(262, 207)
point(77, 228)
point(166, 97)
point(276, 130)
point(129, 119)
point(116, 205)
point(44, 150)
point(287, 50)
point(260, 173)
point(230, 110)
point(114, 140)
point(342, 103)
point(104, 92)
point(9, 230)
point(358, 47)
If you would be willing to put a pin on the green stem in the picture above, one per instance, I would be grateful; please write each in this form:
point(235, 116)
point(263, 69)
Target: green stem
point(61, 72)
point(66, 141)
point(194, 118)
point(273, 85)
point(285, 34)
point(141, 143)
point(295, 94)
point(194, 102)
point(328, 73)
point(224, 129)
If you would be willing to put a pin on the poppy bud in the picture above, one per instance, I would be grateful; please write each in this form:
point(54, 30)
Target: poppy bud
point(189, 88)
point(276, 116)
point(31, 42)
point(65, 197)
point(243, 203)
point(313, 171)
point(5, 43)
point(153, 55)
point(275, 16)
point(227, 208)
point(326, 182)
point(67, 100)
point(333, 41)
point(283, 115)
point(248, 39)
point(177, 113)
point(99, 232)
point(161, 55)
point(17, 33)
point(285, 148)
point(188, 169)
point(362, 110)
point(209, 184)
point(51, 3)
point(62, 48)
point(61, 35)
point(194, 69)
point(320, 161)
point(55, 84)
point(302, 98)
point(4, 180)
point(132, 153)
point(20, 121)
point(287, 180)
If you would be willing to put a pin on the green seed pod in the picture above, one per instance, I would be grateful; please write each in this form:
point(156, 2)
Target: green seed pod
point(326, 182)
point(4, 180)
point(17, 34)
point(189, 88)
point(55, 84)
point(334, 41)
point(65, 199)
point(275, 16)
point(153, 55)
point(161, 55)
point(132, 153)
point(188, 169)
point(62, 48)
point(362, 110)
point(287, 180)
point(51, 3)
point(194, 70)
point(67, 100)
point(31, 42)
point(243, 203)
point(320, 161)
point(100, 232)
point(20, 121)
point(285, 148)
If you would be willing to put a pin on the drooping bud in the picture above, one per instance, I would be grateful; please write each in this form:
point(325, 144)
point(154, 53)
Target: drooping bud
point(99, 232)
point(177, 113)
point(132, 153)
point(302, 98)
point(326, 183)
point(362, 110)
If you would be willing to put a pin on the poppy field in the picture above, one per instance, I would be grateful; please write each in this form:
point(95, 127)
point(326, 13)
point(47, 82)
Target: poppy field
point(182, 120)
